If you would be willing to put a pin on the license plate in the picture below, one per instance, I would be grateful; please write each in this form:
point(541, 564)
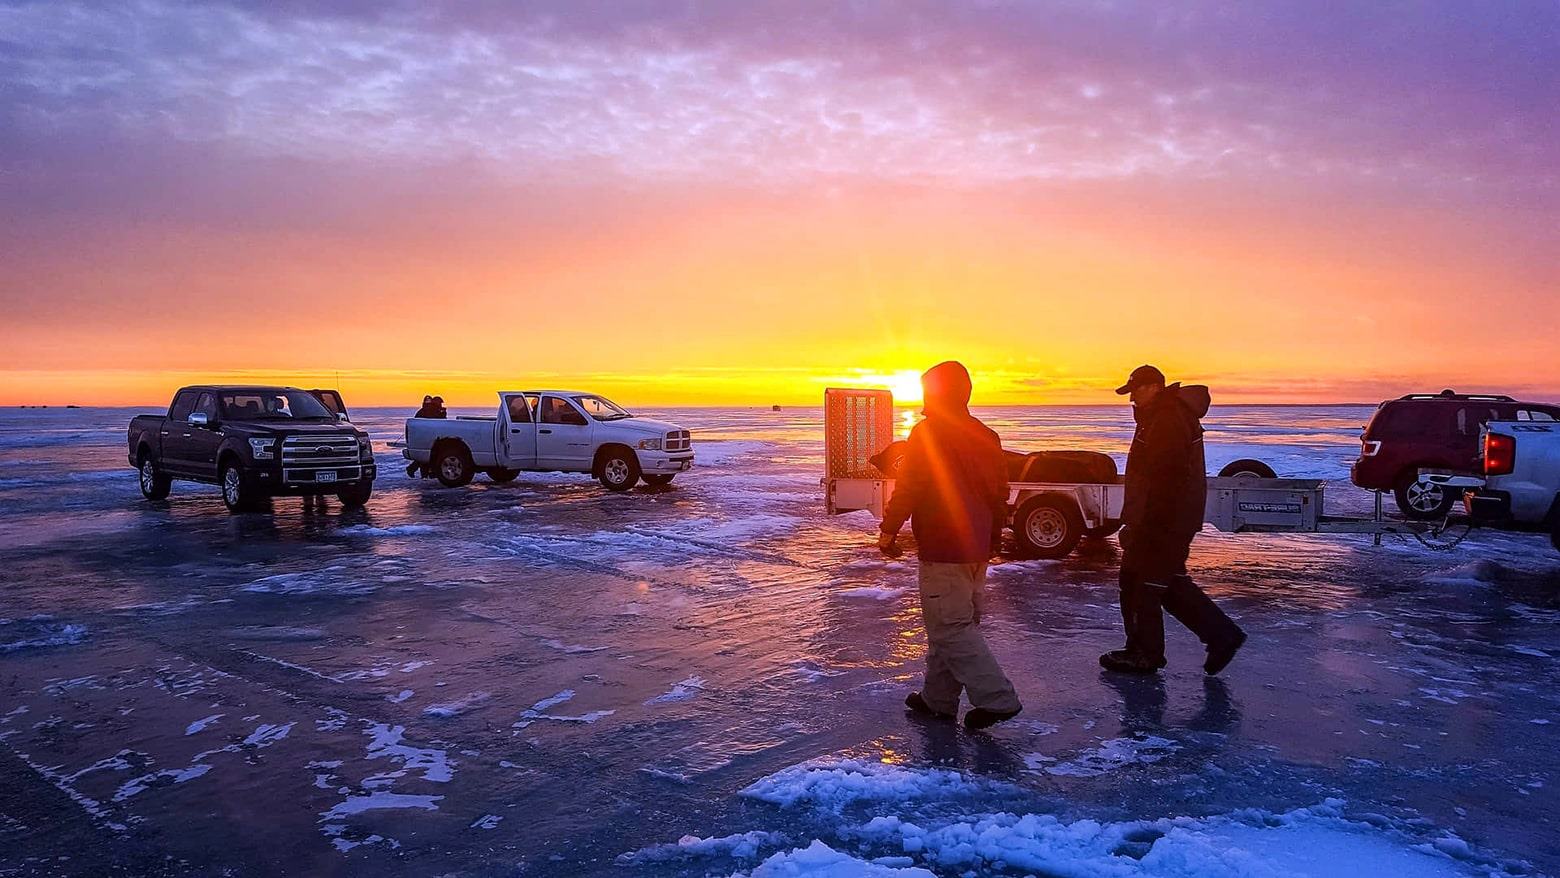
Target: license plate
point(325, 477)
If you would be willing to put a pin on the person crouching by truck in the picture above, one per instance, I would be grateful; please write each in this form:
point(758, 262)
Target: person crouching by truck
point(953, 489)
point(432, 407)
point(1166, 492)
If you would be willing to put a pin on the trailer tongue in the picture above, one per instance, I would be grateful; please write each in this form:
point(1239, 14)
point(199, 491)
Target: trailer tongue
point(1049, 518)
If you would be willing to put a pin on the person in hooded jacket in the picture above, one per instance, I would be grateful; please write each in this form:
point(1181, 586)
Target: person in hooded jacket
point(1166, 492)
point(952, 487)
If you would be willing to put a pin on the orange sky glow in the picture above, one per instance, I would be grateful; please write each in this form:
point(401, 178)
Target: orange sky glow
point(834, 212)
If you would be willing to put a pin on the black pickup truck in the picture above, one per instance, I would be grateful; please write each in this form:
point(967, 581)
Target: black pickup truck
point(255, 442)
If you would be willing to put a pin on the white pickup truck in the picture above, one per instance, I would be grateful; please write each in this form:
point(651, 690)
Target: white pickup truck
point(1520, 487)
point(551, 431)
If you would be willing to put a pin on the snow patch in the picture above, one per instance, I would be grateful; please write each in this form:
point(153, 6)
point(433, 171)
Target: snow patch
point(1113, 754)
point(458, 706)
point(380, 801)
point(872, 592)
point(681, 691)
point(487, 821)
point(201, 724)
point(833, 784)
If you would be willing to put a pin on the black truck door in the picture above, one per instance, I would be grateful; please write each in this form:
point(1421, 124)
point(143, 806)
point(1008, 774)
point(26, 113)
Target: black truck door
point(177, 432)
point(204, 439)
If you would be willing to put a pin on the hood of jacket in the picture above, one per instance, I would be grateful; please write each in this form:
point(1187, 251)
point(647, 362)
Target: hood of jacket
point(1194, 398)
point(945, 389)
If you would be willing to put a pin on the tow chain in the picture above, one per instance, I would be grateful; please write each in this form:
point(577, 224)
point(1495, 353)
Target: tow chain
point(1440, 529)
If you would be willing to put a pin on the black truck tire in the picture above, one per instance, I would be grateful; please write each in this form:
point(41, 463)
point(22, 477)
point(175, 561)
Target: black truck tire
point(503, 476)
point(1048, 526)
point(452, 465)
point(155, 484)
point(657, 480)
point(357, 494)
point(237, 494)
point(618, 469)
point(1420, 499)
point(1247, 468)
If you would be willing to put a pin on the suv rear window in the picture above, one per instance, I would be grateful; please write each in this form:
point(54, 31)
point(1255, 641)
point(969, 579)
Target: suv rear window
point(1399, 420)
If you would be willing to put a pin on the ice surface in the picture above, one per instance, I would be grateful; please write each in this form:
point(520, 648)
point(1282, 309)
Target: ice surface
point(872, 592)
point(397, 530)
point(385, 743)
point(1113, 754)
point(833, 784)
point(38, 632)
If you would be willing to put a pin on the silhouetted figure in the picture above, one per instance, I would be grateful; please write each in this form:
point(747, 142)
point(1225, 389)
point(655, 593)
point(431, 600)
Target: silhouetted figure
point(432, 407)
point(953, 488)
point(1166, 492)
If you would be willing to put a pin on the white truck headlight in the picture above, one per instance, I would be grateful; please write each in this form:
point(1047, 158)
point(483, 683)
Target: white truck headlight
point(261, 448)
point(650, 445)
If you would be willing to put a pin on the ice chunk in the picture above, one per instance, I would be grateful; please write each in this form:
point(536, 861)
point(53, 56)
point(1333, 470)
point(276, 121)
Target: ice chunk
point(833, 784)
point(487, 821)
point(200, 724)
point(818, 860)
point(742, 846)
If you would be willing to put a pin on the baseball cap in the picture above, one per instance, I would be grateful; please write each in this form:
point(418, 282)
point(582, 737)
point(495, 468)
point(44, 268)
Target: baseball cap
point(1140, 377)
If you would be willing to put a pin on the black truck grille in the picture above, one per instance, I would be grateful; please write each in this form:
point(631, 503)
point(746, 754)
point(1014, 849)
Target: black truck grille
point(303, 457)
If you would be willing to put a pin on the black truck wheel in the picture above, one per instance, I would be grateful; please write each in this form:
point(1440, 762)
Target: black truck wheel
point(618, 470)
point(452, 464)
point(1048, 526)
point(1247, 468)
point(657, 480)
point(503, 476)
point(1420, 499)
point(357, 494)
point(154, 484)
point(237, 494)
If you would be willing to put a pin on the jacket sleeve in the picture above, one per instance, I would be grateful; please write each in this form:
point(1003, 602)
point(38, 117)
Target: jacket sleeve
point(1164, 458)
point(910, 486)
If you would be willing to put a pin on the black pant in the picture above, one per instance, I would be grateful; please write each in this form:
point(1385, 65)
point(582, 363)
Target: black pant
point(1154, 581)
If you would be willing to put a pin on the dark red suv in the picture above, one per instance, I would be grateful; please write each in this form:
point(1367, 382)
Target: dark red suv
point(1431, 431)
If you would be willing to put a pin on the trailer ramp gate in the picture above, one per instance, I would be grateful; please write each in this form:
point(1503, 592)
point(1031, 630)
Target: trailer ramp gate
point(857, 424)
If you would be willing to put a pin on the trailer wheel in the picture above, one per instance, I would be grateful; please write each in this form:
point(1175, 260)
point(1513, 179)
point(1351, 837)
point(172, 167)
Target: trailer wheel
point(1420, 499)
point(1247, 468)
point(1048, 526)
point(154, 483)
point(452, 464)
point(503, 476)
point(1110, 526)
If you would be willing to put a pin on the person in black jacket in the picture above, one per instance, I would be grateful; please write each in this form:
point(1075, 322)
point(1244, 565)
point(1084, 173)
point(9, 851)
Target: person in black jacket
point(952, 486)
point(1166, 491)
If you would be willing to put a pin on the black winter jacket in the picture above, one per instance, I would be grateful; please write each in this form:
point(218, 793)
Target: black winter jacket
point(1167, 480)
point(953, 487)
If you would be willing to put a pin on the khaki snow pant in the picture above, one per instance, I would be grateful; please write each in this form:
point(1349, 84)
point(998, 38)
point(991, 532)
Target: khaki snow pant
point(957, 658)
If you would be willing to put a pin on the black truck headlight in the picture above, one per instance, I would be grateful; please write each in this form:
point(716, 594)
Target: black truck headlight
point(261, 448)
point(365, 446)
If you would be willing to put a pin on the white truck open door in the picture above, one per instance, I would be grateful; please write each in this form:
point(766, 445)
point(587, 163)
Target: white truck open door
point(857, 424)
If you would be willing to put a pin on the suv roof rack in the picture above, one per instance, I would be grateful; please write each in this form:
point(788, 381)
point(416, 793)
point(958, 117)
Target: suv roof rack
point(1452, 394)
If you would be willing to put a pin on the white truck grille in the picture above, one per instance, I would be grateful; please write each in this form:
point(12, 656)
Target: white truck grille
point(678, 440)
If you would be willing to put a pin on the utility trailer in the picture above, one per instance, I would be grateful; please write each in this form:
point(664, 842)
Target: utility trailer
point(1049, 518)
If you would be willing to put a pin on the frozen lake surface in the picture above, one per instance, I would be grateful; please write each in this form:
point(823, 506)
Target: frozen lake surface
point(543, 678)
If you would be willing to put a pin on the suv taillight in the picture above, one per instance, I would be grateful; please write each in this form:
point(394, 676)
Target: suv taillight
point(1500, 454)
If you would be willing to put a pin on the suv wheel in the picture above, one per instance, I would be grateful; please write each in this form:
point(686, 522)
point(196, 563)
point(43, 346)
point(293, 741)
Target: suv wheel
point(237, 496)
point(154, 484)
point(1420, 499)
point(619, 470)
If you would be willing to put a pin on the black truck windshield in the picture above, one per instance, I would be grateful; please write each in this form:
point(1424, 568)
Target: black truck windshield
point(267, 405)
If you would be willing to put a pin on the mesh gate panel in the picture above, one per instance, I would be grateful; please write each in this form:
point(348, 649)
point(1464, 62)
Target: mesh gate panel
point(857, 424)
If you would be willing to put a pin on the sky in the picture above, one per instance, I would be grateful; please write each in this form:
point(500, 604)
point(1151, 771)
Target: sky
point(742, 203)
